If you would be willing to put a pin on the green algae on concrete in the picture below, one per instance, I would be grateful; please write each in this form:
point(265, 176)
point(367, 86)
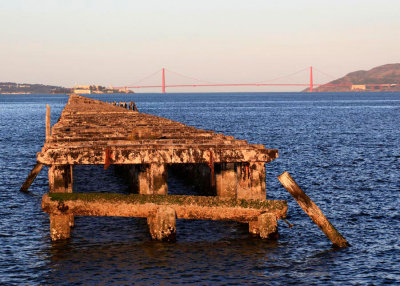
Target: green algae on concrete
point(206, 201)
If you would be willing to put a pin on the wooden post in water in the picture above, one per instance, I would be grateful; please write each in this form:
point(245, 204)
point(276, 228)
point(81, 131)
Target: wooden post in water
point(48, 123)
point(31, 177)
point(38, 167)
point(312, 210)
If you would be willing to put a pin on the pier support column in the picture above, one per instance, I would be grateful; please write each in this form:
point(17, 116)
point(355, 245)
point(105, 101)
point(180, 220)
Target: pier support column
point(148, 179)
point(253, 227)
point(61, 181)
point(226, 180)
point(162, 224)
point(60, 227)
point(251, 181)
point(197, 176)
point(266, 226)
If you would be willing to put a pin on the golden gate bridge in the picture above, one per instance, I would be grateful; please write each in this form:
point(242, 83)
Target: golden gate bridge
point(309, 84)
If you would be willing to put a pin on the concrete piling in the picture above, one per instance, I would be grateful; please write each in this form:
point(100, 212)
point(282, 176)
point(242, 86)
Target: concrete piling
point(251, 181)
point(226, 180)
point(162, 224)
point(265, 226)
point(147, 179)
point(61, 181)
point(60, 227)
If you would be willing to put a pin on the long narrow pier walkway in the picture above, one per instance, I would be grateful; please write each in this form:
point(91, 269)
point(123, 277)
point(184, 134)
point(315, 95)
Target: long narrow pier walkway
point(145, 147)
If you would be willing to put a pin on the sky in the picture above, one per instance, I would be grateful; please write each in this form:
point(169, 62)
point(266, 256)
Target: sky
point(120, 42)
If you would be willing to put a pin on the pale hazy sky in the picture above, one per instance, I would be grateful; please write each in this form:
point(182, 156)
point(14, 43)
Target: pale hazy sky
point(119, 42)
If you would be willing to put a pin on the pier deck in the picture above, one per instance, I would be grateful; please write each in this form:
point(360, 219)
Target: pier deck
point(145, 147)
point(88, 127)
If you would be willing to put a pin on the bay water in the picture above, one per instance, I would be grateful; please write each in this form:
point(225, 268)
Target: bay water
point(343, 149)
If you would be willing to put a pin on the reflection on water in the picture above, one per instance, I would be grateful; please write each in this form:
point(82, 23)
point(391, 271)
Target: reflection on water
point(148, 261)
point(342, 149)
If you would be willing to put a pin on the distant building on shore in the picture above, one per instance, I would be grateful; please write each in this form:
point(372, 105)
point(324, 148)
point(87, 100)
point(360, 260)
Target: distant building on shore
point(82, 89)
point(358, 87)
point(89, 89)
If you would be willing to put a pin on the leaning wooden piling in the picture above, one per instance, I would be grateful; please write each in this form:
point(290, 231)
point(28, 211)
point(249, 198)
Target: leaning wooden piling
point(312, 210)
point(38, 167)
point(31, 177)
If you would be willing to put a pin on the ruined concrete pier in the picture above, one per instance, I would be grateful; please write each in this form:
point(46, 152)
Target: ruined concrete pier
point(92, 132)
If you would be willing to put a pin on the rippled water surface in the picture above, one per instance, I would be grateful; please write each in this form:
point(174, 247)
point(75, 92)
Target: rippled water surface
point(342, 149)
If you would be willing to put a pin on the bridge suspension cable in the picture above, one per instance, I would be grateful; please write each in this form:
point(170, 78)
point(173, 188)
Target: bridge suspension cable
point(147, 77)
point(326, 74)
point(285, 76)
point(189, 77)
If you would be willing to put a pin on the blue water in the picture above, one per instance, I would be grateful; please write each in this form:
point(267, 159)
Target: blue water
point(343, 149)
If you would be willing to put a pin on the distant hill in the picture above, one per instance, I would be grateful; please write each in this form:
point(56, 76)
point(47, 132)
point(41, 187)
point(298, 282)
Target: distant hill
point(18, 88)
point(387, 75)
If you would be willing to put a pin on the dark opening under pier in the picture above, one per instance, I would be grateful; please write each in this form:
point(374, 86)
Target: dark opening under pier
point(144, 147)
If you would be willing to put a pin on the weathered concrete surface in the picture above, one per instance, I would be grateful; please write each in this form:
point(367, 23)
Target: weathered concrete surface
point(148, 179)
point(226, 180)
point(251, 181)
point(87, 127)
point(162, 224)
point(265, 226)
point(243, 181)
point(186, 207)
point(61, 181)
point(253, 227)
point(59, 226)
point(141, 154)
